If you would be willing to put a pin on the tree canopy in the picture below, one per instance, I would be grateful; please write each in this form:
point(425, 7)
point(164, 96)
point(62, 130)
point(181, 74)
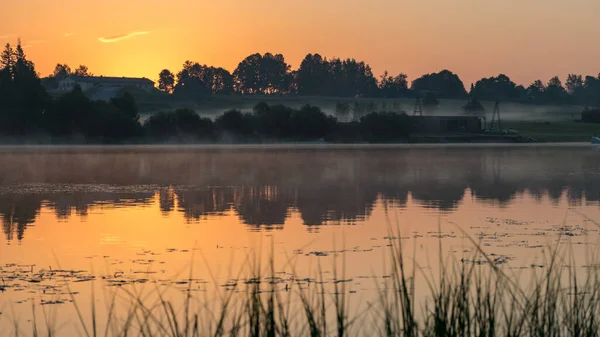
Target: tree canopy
point(499, 88)
point(166, 81)
point(268, 74)
point(22, 97)
point(262, 74)
point(444, 84)
point(342, 78)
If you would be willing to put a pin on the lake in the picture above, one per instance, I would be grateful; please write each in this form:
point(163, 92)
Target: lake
point(82, 221)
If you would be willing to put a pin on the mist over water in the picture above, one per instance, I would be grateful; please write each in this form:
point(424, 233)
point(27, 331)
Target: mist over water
point(145, 214)
point(448, 107)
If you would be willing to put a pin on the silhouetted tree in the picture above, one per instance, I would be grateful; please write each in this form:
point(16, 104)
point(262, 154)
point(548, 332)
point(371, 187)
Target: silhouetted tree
point(22, 97)
point(385, 126)
point(181, 125)
point(575, 89)
point(236, 123)
point(590, 115)
point(166, 81)
point(217, 80)
point(273, 121)
point(82, 70)
point(190, 87)
point(574, 83)
point(75, 118)
point(430, 102)
point(275, 73)
point(7, 87)
point(66, 116)
point(61, 71)
point(393, 86)
point(313, 75)
point(108, 123)
point(555, 92)
point(535, 92)
point(473, 106)
point(351, 78)
point(310, 123)
point(7, 58)
point(444, 84)
point(126, 103)
point(247, 79)
point(522, 92)
point(499, 88)
point(336, 77)
point(262, 74)
point(591, 91)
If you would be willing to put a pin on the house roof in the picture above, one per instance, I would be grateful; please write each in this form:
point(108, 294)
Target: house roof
point(112, 80)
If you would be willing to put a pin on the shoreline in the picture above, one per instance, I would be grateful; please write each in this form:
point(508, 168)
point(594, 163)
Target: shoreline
point(282, 146)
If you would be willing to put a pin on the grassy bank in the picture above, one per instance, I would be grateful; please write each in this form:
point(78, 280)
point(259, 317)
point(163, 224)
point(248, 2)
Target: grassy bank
point(555, 131)
point(543, 123)
point(156, 101)
point(468, 297)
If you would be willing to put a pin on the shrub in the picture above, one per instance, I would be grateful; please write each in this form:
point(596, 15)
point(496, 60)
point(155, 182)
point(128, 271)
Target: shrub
point(385, 126)
point(182, 124)
point(590, 115)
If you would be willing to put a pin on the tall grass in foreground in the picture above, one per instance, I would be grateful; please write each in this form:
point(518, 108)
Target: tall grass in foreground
point(464, 299)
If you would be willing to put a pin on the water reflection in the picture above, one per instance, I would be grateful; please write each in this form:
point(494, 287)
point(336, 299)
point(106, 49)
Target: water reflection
point(262, 187)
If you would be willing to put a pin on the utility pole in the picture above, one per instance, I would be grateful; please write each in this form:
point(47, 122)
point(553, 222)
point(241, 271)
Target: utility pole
point(496, 124)
point(417, 109)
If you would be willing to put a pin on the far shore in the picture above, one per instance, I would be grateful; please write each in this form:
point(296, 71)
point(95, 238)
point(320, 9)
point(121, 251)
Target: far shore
point(22, 148)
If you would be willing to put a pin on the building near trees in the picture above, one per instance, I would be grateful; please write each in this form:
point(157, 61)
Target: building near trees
point(445, 124)
point(89, 82)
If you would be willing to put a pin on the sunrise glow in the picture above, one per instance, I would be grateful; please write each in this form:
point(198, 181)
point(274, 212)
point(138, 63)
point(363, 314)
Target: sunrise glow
point(525, 40)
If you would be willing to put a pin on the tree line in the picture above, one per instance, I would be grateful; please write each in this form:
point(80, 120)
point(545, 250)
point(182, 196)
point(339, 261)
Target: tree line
point(276, 123)
point(28, 112)
point(318, 76)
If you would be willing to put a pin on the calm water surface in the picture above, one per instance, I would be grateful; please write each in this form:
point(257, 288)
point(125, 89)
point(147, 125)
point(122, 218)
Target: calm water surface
point(150, 215)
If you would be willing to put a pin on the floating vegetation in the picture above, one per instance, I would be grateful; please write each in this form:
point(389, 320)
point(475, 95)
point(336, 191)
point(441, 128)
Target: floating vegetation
point(317, 253)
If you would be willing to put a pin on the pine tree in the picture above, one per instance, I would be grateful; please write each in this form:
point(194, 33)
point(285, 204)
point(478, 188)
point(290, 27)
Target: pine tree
point(7, 58)
point(19, 53)
point(22, 66)
point(27, 96)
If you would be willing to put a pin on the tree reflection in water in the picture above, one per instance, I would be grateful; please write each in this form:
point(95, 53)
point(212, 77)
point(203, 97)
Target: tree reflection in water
point(262, 186)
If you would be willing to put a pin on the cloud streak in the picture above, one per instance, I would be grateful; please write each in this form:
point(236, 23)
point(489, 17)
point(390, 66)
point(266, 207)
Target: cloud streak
point(121, 37)
point(68, 34)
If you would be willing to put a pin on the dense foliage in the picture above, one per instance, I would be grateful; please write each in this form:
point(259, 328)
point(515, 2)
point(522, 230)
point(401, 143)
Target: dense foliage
point(319, 76)
point(276, 123)
point(591, 115)
point(22, 97)
point(473, 106)
point(28, 112)
point(270, 74)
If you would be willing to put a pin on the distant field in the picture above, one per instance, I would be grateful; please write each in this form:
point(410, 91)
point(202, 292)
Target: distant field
point(555, 131)
point(218, 104)
point(155, 101)
point(516, 111)
point(547, 123)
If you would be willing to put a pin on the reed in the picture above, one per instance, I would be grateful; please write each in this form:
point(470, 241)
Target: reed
point(464, 299)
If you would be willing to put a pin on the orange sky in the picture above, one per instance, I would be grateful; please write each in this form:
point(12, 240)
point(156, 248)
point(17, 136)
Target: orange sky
point(474, 38)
